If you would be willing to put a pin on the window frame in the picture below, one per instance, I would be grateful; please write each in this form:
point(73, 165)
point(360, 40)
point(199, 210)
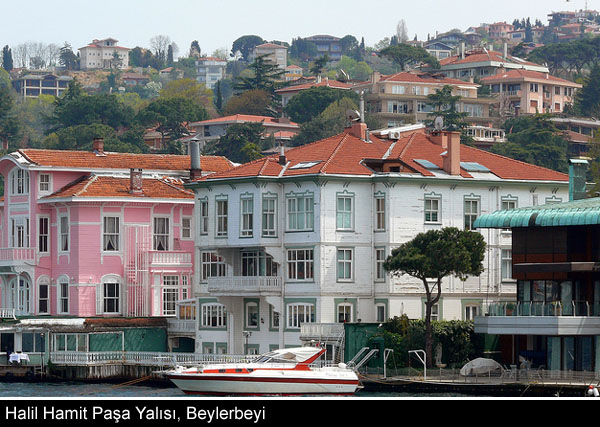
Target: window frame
point(344, 218)
point(307, 263)
point(306, 211)
point(246, 215)
point(113, 236)
point(345, 262)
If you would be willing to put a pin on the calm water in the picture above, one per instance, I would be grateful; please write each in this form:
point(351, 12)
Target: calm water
point(85, 390)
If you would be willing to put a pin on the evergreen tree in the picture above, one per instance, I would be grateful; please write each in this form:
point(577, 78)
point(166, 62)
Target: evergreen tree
point(218, 97)
point(444, 105)
point(587, 99)
point(7, 60)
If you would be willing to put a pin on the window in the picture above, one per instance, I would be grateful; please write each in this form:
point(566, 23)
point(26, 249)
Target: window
point(435, 312)
point(432, 209)
point(110, 234)
point(252, 315)
point(269, 222)
point(471, 311)
point(63, 296)
point(300, 264)
point(160, 241)
point(186, 228)
point(508, 203)
point(70, 342)
point(380, 313)
point(222, 207)
point(170, 293)
point(204, 217)
point(213, 316)
point(111, 298)
point(213, 265)
point(506, 264)
point(379, 261)
point(300, 313)
point(258, 263)
point(44, 297)
point(44, 183)
point(20, 232)
point(43, 234)
point(64, 234)
point(344, 313)
point(300, 212)
point(379, 212)
point(344, 264)
point(344, 220)
point(19, 181)
point(471, 212)
point(247, 216)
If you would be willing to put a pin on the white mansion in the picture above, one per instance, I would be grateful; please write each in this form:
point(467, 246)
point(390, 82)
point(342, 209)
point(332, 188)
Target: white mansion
point(301, 238)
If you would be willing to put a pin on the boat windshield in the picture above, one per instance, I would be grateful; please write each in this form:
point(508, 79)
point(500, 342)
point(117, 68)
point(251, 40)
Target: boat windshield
point(273, 357)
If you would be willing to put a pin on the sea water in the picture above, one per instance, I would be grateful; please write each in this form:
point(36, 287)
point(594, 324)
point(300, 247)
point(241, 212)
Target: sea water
point(78, 390)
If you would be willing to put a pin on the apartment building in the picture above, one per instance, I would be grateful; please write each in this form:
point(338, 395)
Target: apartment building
point(300, 238)
point(402, 98)
point(275, 53)
point(210, 70)
point(530, 92)
point(101, 54)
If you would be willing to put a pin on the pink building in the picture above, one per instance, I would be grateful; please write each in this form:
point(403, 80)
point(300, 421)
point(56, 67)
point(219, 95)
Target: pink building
point(88, 234)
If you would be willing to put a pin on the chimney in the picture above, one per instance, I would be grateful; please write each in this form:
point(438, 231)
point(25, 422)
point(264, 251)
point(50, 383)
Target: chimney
point(577, 178)
point(505, 51)
point(98, 145)
point(135, 181)
point(195, 166)
point(452, 156)
point(282, 159)
point(439, 138)
point(462, 50)
point(359, 129)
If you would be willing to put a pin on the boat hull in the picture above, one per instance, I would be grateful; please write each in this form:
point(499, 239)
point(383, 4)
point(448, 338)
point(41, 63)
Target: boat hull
point(283, 383)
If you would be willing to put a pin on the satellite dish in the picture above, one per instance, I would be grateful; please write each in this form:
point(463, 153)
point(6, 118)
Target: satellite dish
point(438, 123)
point(352, 115)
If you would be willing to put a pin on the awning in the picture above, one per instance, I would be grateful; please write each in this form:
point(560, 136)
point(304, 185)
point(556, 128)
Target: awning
point(577, 212)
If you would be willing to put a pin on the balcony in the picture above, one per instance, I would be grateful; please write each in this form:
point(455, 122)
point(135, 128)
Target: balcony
point(11, 256)
point(539, 318)
point(322, 331)
point(245, 285)
point(170, 259)
point(181, 326)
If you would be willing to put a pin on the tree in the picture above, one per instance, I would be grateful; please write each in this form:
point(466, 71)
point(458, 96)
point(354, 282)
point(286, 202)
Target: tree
point(303, 49)
point(245, 45)
point(190, 89)
point(319, 65)
point(254, 102)
point(265, 75)
point(67, 58)
point(160, 45)
point(242, 143)
point(402, 31)
point(7, 60)
point(404, 55)
point(309, 103)
point(444, 104)
point(195, 51)
point(587, 99)
point(536, 140)
point(434, 255)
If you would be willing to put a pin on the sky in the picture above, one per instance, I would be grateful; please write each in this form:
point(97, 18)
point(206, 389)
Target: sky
point(216, 24)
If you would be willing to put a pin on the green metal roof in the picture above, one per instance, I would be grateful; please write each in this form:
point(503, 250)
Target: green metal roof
point(577, 212)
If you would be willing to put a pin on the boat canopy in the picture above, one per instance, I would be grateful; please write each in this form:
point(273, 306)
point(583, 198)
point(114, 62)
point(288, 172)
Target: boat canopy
point(577, 212)
point(296, 354)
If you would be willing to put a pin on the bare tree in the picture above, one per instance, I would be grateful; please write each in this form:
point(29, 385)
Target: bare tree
point(160, 45)
point(21, 55)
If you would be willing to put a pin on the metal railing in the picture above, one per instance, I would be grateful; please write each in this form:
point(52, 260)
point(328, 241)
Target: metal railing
point(542, 308)
point(8, 313)
point(141, 358)
point(170, 258)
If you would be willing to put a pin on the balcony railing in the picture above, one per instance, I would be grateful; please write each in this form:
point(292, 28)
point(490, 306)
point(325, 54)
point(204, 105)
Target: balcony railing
point(245, 284)
point(181, 325)
point(543, 308)
point(8, 313)
point(170, 258)
point(142, 358)
point(17, 254)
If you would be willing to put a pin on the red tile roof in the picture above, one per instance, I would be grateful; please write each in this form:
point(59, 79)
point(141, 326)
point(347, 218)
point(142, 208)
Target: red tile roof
point(325, 82)
point(424, 78)
point(345, 154)
point(526, 75)
point(110, 187)
point(485, 56)
point(90, 160)
point(245, 118)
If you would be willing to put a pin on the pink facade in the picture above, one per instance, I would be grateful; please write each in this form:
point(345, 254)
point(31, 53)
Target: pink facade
point(98, 240)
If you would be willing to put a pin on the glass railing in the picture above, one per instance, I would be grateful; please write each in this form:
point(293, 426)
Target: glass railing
point(543, 308)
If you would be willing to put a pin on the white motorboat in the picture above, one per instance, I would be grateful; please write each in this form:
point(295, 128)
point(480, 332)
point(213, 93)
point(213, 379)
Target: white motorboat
point(280, 372)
